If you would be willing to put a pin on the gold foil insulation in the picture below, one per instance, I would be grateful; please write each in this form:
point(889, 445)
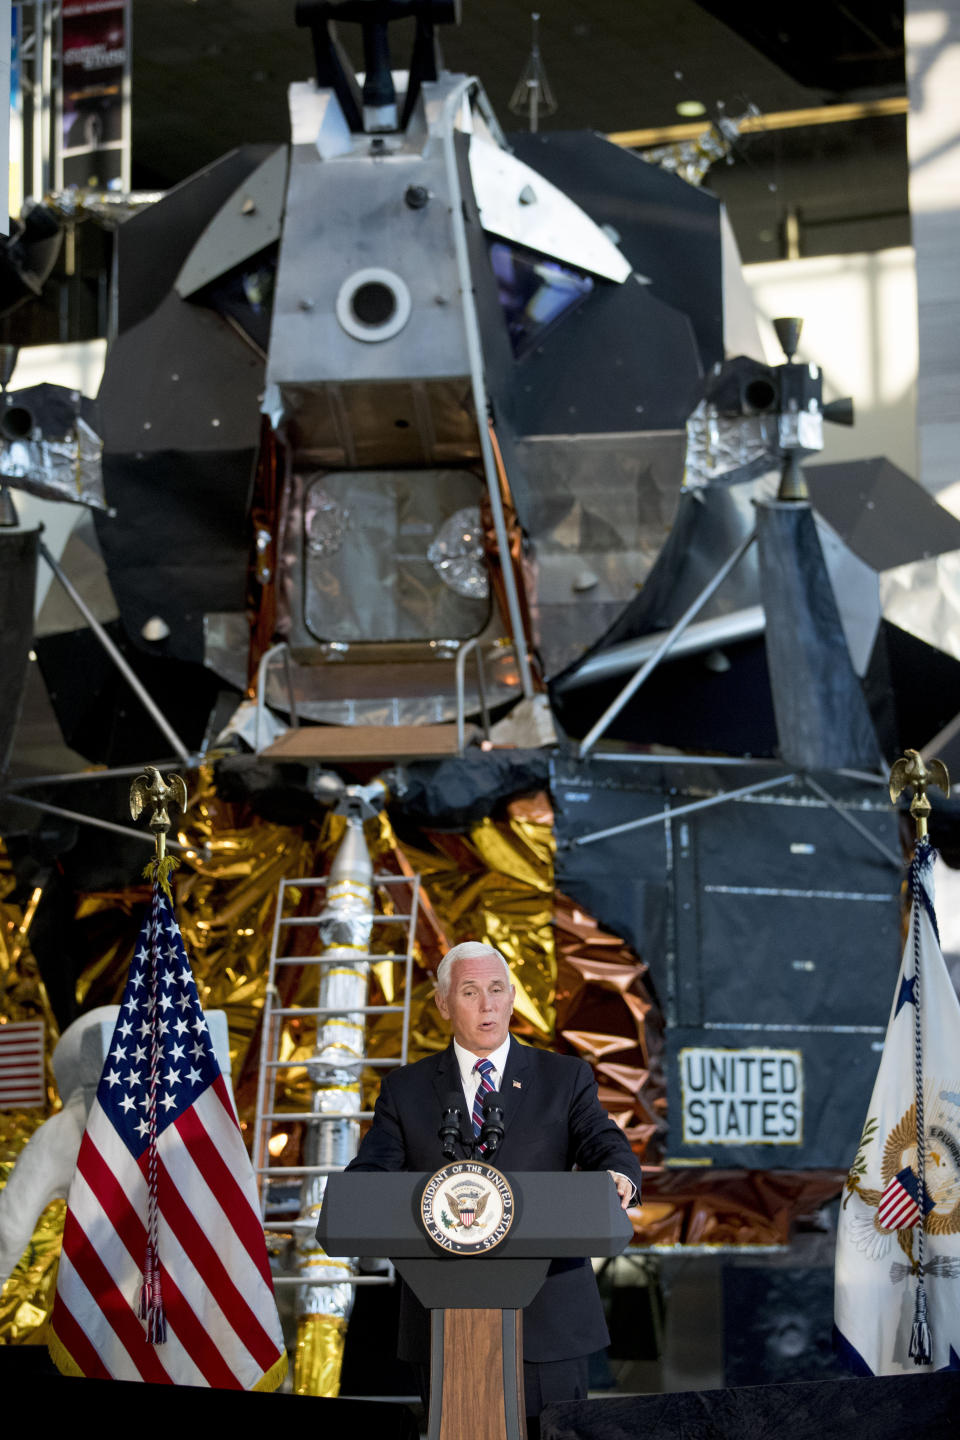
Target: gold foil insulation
point(319, 1354)
point(27, 1298)
point(607, 1015)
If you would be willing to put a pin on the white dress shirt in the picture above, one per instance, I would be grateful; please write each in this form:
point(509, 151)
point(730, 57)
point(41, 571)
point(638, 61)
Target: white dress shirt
point(470, 1078)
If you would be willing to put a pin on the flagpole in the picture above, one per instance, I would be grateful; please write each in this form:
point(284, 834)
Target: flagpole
point(911, 771)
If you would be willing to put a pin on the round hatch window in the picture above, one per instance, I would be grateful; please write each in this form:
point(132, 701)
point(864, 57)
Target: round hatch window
point(373, 305)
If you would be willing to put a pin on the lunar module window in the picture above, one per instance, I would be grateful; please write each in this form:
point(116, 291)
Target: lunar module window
point(394, 555)
point(534, 292)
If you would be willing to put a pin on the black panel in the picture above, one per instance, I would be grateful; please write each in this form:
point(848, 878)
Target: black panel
point(834, 1077)
point(923, 694)
point(181, 423)
point(762, 879)
point(769, 925)
point(181, 380)
point(154, 244)
point(194, 1406)
point(687, 704)
point(180, 544)
point(888, 1407)
point(822, 716)
point(778, 1324)
point(18, 575)
point(858, 497)
point(669, 230)
point(624, 360)
point(99, 714)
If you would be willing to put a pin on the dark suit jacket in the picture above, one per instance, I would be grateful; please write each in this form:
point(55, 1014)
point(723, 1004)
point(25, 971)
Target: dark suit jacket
point(553, 1120)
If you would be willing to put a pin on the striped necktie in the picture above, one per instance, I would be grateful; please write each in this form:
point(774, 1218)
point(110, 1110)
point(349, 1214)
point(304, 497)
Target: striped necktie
point(484, 1068)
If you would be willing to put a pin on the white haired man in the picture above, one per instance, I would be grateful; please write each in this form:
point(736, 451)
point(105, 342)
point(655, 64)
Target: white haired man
point(553, 1120)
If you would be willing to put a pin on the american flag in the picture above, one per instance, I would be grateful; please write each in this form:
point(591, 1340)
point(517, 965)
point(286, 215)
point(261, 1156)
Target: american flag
point(899, 1207)
point(21, 1066)
point(221, 1322)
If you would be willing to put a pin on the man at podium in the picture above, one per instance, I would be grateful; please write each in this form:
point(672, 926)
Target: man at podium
point(552, 1119)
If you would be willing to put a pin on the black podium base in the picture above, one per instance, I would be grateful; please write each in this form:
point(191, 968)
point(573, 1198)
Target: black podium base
point(887, 1408)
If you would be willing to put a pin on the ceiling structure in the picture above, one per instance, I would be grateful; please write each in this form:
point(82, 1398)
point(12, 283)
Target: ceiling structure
point(212, 74)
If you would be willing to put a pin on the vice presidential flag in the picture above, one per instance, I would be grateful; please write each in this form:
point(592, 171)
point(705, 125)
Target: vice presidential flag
point(163, 1273)
point(897, 1298)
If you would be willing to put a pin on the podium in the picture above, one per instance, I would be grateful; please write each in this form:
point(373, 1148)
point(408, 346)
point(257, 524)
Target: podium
point(475, 1301)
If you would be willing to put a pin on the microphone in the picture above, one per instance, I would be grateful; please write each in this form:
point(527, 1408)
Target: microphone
point(491, 1132)
point(449, 1131)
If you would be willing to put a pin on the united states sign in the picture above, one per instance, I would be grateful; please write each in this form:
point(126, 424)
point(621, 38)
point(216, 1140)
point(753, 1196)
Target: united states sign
point(221, 1322)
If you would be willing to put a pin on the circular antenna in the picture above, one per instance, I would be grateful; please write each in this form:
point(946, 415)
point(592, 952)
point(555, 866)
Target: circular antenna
point(373, 305)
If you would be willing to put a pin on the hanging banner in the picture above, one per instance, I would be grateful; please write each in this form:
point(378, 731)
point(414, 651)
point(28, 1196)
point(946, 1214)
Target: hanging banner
point(14, 116)
point(94, 132)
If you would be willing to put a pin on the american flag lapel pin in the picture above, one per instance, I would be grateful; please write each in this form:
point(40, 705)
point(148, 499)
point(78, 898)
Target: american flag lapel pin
point(517, 1085)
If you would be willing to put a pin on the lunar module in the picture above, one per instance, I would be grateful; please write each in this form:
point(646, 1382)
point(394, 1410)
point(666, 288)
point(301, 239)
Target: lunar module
point(411, 423)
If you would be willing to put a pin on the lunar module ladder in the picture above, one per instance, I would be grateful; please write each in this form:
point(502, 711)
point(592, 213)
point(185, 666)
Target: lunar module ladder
point(268, 1118)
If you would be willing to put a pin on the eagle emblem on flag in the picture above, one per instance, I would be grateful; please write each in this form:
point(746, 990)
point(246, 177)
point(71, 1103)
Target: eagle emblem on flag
point(896, 1206)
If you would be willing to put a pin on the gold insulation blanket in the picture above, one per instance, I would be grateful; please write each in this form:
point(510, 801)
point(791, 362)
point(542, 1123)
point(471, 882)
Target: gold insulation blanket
point(27, 1298)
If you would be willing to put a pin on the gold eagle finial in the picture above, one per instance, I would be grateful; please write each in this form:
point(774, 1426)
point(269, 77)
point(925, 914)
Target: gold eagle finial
point(151, 789)
point(911, 769)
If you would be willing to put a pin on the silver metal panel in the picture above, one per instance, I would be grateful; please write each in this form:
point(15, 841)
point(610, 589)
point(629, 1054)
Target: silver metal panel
point(245, 225)
point(599, 508)
point(353, 214)
point(366, 573)
point(856, 589)
point(721, 446)
point(924, 599)
point(520, 205)
point(383, 423)
point(631, 654)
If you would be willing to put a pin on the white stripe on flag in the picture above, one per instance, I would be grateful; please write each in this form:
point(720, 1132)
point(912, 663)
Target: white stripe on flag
point(217, 1227)
point(213, 1218)
point(89, 1315)
point(208, 1311)
point(126, 1274)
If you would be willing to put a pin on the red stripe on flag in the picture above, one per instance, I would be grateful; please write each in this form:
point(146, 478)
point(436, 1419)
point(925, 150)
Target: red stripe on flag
point(75, 1341)
point(112, 1196)
point(180, 1315)
point(222, 1182)
point(213, 1272)
point(223, 1094)
point(115, 1306)
point(194, 1338)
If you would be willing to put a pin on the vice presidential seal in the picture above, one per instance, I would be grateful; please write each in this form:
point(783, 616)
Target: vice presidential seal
point(467, 1208)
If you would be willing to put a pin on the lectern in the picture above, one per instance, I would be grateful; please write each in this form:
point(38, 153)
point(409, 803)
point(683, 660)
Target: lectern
point(425, 1224)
